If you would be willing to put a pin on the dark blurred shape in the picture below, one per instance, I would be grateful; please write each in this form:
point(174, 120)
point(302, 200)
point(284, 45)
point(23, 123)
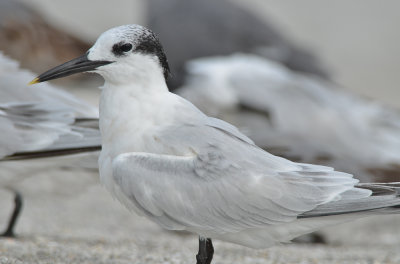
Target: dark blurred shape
point(192, 28)
point(26, 37)
point(390, 173)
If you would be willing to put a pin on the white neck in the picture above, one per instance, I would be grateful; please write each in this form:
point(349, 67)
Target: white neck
point(128, 109)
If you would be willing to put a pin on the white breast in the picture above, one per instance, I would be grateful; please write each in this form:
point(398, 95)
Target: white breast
point(135, 127)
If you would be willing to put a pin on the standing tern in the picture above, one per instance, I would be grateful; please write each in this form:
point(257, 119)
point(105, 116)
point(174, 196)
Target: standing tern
point(165, 159)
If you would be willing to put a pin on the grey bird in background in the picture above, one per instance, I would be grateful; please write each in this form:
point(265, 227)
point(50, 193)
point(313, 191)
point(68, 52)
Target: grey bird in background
point(39, 122)
point(42, 118)
point(206, 28)
point(298, 116)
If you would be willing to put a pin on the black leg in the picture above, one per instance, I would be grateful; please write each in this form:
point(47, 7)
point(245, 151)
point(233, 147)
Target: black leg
point(13, 219)
point(206, 251)
point(210, 250)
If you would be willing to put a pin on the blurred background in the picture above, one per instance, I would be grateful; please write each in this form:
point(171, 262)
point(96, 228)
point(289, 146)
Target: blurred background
point(357, 41)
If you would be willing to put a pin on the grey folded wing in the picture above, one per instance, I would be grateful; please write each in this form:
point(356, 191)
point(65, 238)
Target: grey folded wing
point(40, 130)
point(198, 194)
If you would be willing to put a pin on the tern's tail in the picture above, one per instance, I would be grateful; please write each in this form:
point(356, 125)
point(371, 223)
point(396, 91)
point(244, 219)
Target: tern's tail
point(385, 198)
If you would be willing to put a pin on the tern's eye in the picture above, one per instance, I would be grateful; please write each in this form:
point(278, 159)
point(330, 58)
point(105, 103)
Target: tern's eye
point(126, 47)
point(120, 48)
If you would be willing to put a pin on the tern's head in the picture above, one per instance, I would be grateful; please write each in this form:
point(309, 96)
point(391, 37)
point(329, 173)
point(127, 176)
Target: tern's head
point(120, 54)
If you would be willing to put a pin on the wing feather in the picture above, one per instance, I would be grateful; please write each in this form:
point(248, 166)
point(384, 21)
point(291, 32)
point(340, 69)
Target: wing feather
point(230, 201)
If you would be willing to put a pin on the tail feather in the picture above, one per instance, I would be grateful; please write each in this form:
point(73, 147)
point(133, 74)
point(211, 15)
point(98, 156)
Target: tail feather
point(385, 198)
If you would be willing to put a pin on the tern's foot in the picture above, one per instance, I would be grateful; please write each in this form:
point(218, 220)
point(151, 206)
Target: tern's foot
point(13, 219)
point(206, 251)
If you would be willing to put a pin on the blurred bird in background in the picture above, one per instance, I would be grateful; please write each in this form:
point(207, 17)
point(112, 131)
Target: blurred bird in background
point(192, 29)
point(298, 116)
point(278, 93)
point(40, 122)
point(43, 121)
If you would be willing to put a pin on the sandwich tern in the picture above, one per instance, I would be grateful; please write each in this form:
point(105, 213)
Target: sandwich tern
point(168, 161)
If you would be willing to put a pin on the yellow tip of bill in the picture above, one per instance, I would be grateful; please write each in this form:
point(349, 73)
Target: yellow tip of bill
point(36, 80)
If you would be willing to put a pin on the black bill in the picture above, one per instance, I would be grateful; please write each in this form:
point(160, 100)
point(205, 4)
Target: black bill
point(80, 64)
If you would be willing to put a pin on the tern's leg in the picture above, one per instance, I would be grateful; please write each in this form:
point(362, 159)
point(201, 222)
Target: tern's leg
point(206, 251)
point(13, 219)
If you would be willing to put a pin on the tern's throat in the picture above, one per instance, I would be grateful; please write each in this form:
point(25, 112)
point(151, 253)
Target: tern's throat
point(129, 110)
point(131, 100)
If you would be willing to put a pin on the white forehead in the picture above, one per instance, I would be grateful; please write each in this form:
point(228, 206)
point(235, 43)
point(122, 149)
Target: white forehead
point(126, 33)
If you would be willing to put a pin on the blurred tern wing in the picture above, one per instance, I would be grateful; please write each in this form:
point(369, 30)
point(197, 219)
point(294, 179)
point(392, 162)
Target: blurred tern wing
point(14, 88)
point(42, 121)
point(42, 130)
